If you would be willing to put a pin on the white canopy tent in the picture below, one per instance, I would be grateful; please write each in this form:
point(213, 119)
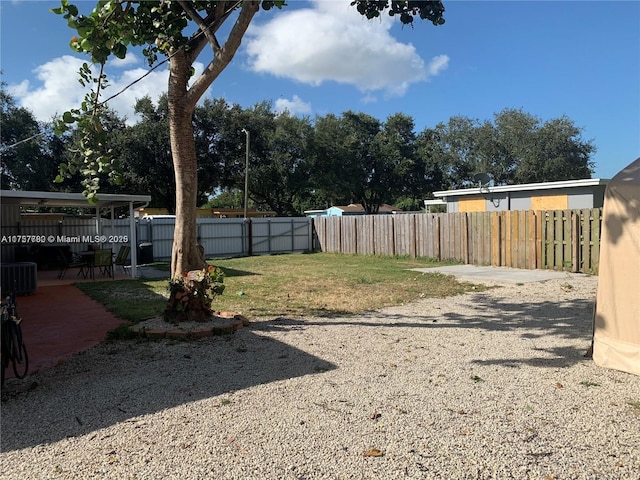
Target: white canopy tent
point(107, 202)
point(616, 333)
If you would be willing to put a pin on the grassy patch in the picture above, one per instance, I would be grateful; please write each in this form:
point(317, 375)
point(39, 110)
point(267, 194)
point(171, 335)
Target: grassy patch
point(323, 283)
point(588, 383)
point(132, 300)
point(635, 406)
point(281, 285)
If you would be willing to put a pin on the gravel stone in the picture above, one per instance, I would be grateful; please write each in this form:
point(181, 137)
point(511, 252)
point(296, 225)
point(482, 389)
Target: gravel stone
point(486, 385)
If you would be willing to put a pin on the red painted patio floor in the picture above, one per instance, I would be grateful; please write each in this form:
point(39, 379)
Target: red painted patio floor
point(59, 320)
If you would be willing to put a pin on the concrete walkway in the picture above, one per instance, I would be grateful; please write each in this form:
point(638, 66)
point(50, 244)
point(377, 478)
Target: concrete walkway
point(59, 321)
point(473, 273)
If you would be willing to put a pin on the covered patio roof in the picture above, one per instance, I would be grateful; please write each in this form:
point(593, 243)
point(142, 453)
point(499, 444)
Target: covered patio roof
point(106, 201)
point(76, 200)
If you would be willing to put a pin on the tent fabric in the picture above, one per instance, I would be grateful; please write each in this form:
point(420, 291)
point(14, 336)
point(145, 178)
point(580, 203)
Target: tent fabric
point(616, 336)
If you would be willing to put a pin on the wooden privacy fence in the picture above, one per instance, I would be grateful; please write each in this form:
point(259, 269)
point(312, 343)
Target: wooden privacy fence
point(533, 239)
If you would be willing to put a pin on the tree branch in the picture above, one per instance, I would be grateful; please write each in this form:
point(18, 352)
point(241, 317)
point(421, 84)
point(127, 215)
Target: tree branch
point(209, 27)
point(204, 28)
point(223, 55)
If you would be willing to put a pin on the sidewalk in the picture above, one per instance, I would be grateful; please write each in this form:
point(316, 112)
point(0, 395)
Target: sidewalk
point(59, 321)
point(473, 273)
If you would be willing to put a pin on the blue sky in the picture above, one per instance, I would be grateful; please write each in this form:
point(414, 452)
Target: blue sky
point(577, 58)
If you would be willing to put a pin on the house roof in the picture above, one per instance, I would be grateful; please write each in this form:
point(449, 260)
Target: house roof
point(588, 182)
point(64, 199)
point(356, 207)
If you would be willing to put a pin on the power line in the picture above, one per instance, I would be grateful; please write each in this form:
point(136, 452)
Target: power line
point(22, 141)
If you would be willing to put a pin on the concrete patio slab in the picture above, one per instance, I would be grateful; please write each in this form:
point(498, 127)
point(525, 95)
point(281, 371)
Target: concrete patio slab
point(473, 273)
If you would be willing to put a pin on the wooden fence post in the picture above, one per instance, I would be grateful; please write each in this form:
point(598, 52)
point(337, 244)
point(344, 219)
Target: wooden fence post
point(575, 241)
point(495, 239)
point(465, 238)
point(437, 239)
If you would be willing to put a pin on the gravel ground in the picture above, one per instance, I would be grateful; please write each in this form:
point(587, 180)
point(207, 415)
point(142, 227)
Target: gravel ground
point(487, 385)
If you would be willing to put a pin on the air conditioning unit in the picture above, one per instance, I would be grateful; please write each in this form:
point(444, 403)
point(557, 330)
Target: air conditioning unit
point(19, 277)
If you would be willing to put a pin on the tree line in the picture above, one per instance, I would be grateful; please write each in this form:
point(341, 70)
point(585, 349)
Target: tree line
point(300, 163)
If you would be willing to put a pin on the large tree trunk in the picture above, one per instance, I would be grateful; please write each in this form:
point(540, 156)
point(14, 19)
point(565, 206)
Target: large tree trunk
point(186, 254)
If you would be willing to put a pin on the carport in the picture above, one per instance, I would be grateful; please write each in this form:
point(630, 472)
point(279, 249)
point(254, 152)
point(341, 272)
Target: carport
point(11, 201)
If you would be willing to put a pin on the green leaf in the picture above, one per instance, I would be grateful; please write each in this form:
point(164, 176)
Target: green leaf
point(119, 50)
point(67, 117)
point(58, 179)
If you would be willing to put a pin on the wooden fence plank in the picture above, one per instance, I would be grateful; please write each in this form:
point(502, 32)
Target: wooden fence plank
point(508, 247)
point(402, 234)
point(575, 243)
point(365, 235)
point(558, 250)
point(557, 239)
point(596, 226)
point(349, 236)
point(436, 236)
point(540, 219)
point(486, 239)
point(566, 240)
point(495, 239)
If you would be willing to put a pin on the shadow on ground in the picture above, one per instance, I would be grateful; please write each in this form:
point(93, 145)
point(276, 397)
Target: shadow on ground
point(531, 321)
point(103, 386)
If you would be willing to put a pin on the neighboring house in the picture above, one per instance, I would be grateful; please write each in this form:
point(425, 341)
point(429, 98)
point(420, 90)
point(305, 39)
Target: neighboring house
point(569, 194)
point(345, 210)
point(210, 213)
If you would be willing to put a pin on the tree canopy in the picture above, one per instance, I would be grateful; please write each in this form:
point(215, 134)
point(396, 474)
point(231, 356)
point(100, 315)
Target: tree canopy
point(303, 163)
point(179, 31)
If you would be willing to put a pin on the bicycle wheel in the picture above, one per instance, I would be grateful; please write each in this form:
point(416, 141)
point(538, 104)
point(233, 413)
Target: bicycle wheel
point(20, 361)
point(18, 352)
point(4, 347)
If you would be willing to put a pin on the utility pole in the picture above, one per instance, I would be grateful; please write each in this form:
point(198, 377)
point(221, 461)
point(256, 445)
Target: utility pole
point(246, 174)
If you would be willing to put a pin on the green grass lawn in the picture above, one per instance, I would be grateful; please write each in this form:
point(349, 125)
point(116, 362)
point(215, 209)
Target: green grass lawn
point(310, 284)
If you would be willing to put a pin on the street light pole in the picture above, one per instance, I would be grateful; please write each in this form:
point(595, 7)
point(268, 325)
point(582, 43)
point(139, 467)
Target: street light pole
point(246, 174)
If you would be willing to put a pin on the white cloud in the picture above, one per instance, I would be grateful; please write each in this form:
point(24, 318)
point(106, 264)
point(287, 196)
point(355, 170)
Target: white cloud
point(437, 64)
point(368, 98)
point(60, 91)
point(332, 42)
point(130, 59)
point(294, 106)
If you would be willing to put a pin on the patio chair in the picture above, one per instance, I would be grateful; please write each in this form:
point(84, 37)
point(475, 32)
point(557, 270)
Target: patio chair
point(66, 264)
point(103, 260)
point(121, 257)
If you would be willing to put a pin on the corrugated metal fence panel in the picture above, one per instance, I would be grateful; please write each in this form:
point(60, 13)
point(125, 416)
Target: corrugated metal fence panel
point(72, 232)
point(281, 235)
point(218, 236)
point(159, 232)
point(222, 237)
